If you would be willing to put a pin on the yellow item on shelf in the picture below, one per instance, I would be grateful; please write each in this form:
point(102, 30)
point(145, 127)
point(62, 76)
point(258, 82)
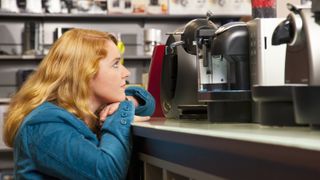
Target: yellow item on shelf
point(122, 48)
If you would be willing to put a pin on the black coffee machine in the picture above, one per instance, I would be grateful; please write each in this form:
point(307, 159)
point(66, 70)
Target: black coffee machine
point(222, 68)
point(178, 87)
point(301, 32)
point(229, 101)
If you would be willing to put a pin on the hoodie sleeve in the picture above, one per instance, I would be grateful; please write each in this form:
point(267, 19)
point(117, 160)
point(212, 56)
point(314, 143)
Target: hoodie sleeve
point(146, 101)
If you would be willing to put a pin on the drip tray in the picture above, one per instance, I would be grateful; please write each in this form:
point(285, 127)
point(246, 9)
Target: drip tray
point(192, 111)
point(229, 112)
point(307, 105)
point(273, 105)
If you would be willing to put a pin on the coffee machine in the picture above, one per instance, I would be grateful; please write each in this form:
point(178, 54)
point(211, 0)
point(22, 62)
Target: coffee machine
point(301, 31)
point(271, 93)
point(178, 84)
point(221, 73)
point(230, 99)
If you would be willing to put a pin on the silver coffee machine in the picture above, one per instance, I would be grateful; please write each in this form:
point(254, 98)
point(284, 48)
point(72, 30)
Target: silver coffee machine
point(271, 92)
point(301, 31)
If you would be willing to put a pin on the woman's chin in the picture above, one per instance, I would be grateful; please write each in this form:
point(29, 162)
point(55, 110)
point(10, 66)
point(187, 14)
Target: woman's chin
point(117, 98)
point(122, 98)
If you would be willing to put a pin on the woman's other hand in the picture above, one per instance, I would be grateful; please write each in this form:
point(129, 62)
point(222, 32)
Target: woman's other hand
point(141, 118)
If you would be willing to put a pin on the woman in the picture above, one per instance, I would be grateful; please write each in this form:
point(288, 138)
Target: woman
point(71, 119)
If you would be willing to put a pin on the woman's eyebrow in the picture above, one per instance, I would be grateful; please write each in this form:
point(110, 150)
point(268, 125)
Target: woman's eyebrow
point(116, 59)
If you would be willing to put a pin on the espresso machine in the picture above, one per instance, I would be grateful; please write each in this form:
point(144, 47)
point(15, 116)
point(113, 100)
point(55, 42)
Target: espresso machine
point(301, 32)
point(220, 76)
point(271, 93)
point(178, 84)
point(230, 99)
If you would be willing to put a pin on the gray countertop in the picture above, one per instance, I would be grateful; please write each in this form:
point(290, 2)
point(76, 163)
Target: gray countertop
point(298, 137)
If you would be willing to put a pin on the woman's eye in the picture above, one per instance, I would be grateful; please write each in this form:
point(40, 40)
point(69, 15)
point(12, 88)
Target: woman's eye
point(116, 64)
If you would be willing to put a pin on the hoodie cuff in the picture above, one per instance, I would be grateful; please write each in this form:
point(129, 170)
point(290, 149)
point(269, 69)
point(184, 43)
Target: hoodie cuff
point(146, 101)
point(120, 121)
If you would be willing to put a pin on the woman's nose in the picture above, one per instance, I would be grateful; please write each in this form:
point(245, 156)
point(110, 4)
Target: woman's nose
point(125, 72)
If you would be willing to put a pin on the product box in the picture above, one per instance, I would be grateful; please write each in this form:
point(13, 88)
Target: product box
point(120, 6)
point(157, 7)
point(3, 109)
point(187, 7)
point(217, 7)
point(230, 7)
point(140, 6)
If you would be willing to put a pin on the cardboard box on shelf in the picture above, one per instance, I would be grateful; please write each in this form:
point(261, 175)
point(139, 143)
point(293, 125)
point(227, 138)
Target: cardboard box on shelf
point(230, 7)
point(157, 7)
point(120, 6)
point(140, 6)
point(3, 109)
point(187, 7)
point(217, 7)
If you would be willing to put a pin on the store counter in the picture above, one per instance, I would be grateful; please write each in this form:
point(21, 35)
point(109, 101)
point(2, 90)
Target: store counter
point(198, 149)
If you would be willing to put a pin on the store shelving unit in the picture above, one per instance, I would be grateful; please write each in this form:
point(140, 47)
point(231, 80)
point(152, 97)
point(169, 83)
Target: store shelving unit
point(141, 19)
point(40, 57)
point(99, 17)
point(137, 61)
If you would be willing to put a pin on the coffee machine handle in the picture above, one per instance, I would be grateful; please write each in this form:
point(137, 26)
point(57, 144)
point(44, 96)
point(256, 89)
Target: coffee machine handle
point(175, 44)
point(174, 33)
point(282, 34)
point(170, 48)
point(209, 15)
point(290, 31)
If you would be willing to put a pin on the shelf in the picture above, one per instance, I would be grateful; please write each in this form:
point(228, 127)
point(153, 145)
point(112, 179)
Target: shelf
point(102, 17)
point(40, 57)
point(5, 100)
point(21, 57)
point(97, 17)
point(137, 57)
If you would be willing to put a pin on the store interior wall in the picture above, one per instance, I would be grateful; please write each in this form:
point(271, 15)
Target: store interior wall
point(12, 42)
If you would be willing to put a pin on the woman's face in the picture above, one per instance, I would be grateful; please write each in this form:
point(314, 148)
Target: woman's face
point(108, 86)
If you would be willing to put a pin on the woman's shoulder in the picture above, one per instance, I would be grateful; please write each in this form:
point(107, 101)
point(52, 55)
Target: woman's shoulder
point(48, 116)
point(48, 112)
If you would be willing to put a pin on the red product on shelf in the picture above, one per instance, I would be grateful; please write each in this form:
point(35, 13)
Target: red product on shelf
point(155, 73)
point(263, 3)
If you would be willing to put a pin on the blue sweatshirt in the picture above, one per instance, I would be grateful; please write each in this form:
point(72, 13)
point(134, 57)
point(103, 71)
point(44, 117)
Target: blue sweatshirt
point(54, 144)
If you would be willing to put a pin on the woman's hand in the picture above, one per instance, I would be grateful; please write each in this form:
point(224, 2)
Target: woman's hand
point(141, 118)
point(107, 110)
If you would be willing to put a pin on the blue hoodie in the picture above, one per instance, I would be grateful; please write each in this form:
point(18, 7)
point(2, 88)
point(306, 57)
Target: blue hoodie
point(52, 143)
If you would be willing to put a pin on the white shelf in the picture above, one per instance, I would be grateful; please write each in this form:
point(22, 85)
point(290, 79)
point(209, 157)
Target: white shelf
point(4, 100)
point(98, 17)
point(40, 57)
